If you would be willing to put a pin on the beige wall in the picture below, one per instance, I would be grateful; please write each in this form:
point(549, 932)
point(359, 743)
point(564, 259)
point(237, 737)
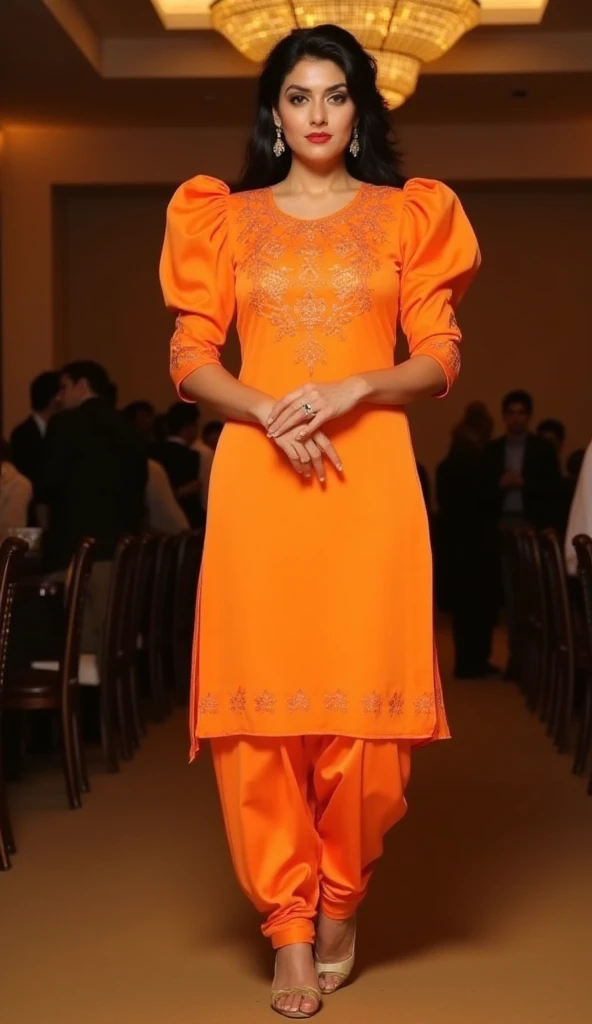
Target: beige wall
point(525, 320)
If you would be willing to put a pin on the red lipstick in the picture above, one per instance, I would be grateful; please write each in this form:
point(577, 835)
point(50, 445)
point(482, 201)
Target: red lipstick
point(319, 137)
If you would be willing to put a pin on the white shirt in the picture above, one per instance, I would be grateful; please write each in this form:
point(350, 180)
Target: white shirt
point(164, 512)
point(206, 457)
point(41, 423)
point(580, 515)
point(16, 493)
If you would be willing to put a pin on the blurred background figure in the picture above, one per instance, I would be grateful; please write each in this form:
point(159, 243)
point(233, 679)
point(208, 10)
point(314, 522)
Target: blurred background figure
point(181, 461)
point(467, 545)
point(91, 484)
point(211, 433)
point(142, 416)
point(580, 515)
point(552, 431)
point(26, 440)
point(521, 475)
point(206, 458)
point(16, 493)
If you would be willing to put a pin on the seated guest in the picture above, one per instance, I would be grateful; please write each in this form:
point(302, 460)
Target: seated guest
point(210, 434)
point(580, 516)
point(26, 440)
point(16, 492)
point(92, 481)
point(164, 514)
point(181, 462)
point(141, 415)
point(521, 478)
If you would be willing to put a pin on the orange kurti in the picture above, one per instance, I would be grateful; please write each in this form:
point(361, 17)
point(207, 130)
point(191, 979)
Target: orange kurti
point(315, 607)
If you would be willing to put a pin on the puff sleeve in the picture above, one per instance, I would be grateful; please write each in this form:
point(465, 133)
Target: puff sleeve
point(439, 258)
point(196, 275)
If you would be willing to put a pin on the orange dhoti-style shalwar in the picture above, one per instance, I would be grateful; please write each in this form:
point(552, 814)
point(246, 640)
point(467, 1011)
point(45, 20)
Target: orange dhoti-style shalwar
point(315, 614)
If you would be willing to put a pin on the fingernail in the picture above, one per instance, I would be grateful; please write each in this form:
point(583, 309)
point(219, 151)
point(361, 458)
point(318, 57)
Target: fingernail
point(339, 467)
point(270, 420)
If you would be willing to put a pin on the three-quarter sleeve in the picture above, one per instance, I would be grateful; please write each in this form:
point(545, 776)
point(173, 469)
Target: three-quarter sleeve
point(196, 275)
point(439, 258)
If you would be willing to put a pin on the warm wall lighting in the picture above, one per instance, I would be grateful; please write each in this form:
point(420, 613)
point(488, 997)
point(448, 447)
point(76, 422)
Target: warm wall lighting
point(188, 14)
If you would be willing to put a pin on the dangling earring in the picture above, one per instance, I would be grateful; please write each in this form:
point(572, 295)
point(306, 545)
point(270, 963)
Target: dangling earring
point(354, 146)
point(279, 145)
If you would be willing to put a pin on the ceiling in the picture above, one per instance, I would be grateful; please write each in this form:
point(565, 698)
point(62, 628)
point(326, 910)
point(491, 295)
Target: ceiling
point(45, 78)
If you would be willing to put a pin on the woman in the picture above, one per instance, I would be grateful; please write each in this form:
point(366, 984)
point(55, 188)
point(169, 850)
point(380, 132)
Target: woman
point(467, 545)
point(16, 494)
point(314, 667)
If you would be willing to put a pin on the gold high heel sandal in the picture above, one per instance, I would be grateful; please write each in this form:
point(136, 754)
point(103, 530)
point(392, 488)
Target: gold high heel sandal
point(299, 990)
point(341, 970)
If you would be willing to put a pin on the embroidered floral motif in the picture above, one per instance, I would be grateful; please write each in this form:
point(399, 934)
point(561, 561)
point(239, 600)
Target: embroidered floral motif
point(396, 704)
point(238, 700)
point(372, 704)
point(182, 351)
point(290, 285)
point(208, 705)
point(448, 350)
point(424, 705)
point(453, 322)
point(265, 703)
point(298, 701)
point(336, 701)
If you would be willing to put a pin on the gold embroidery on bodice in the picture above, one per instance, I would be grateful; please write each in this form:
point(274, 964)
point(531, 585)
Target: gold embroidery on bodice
point(292, 284)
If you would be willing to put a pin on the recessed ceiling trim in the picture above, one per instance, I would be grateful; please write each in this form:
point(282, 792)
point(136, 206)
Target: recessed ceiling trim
point(195, 14)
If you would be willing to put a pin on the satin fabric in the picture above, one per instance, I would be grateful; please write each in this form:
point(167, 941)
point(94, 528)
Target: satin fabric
point(305, 819)
point(316, 300)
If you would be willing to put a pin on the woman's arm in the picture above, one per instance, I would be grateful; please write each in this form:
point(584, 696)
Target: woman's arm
point(419, 377)
point(216, 386)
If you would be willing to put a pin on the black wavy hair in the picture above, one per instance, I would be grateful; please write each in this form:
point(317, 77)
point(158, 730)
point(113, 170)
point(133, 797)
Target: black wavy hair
point(378, 161)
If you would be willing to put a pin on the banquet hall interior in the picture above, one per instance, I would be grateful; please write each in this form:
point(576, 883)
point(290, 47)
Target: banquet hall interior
point(118, 901)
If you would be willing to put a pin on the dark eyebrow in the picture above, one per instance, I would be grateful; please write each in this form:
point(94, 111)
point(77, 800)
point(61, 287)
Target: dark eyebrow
point(331, 88)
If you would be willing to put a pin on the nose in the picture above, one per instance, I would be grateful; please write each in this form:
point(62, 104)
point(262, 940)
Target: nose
point(318, 115)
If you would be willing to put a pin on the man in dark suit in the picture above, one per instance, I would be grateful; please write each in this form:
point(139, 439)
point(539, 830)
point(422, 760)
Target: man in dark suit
point(521, 475)
point(181, 461)
point(26, 440)
point(92, 481)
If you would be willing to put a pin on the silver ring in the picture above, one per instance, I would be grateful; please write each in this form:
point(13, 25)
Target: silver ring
point(308, 409)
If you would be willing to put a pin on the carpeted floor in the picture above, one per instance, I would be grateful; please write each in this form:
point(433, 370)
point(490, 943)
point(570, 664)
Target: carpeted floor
point(127, 912)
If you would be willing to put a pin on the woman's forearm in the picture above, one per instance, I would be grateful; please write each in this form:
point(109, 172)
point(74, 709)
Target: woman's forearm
point(236, 401)
point(420, 377)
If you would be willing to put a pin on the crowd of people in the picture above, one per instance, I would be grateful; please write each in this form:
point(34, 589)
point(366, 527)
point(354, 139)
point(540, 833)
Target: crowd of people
point(78, 466)
point(483, 486)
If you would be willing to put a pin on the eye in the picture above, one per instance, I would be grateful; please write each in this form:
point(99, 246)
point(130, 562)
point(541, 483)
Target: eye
point(339, 97)
point(295, 99)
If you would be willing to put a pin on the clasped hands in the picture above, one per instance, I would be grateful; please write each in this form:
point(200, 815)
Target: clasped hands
point(294, 423)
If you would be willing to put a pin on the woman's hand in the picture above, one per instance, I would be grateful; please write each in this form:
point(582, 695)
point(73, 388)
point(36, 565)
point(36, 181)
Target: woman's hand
point(314, 404)
point(306, 456)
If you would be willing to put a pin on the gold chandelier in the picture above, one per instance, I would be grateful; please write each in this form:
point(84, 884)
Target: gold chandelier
point(401, 34)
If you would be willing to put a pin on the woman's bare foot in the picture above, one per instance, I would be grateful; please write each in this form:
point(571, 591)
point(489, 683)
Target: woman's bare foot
point(294, 968)
point(334, 944)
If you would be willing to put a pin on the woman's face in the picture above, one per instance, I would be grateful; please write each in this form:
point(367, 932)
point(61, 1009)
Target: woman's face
point(316, 111)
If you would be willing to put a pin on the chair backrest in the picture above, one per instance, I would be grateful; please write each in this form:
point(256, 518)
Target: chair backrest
point(560, 617)
point(119, 609)
point(188, 569)
point(12, 552)
point(163, 594)
point(77, 579)
point(583, 545)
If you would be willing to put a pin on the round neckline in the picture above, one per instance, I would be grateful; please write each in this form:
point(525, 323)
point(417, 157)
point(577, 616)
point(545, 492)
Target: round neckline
point(315, 220)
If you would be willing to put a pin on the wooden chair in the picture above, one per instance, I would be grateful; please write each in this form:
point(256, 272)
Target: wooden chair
point(45, 689)
point(160, 629)
point(512, 559)
point(12, 552)
point(583, 546)
point(118, 736)
point(535, 620)
point(188, 569)
point(561, 685)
